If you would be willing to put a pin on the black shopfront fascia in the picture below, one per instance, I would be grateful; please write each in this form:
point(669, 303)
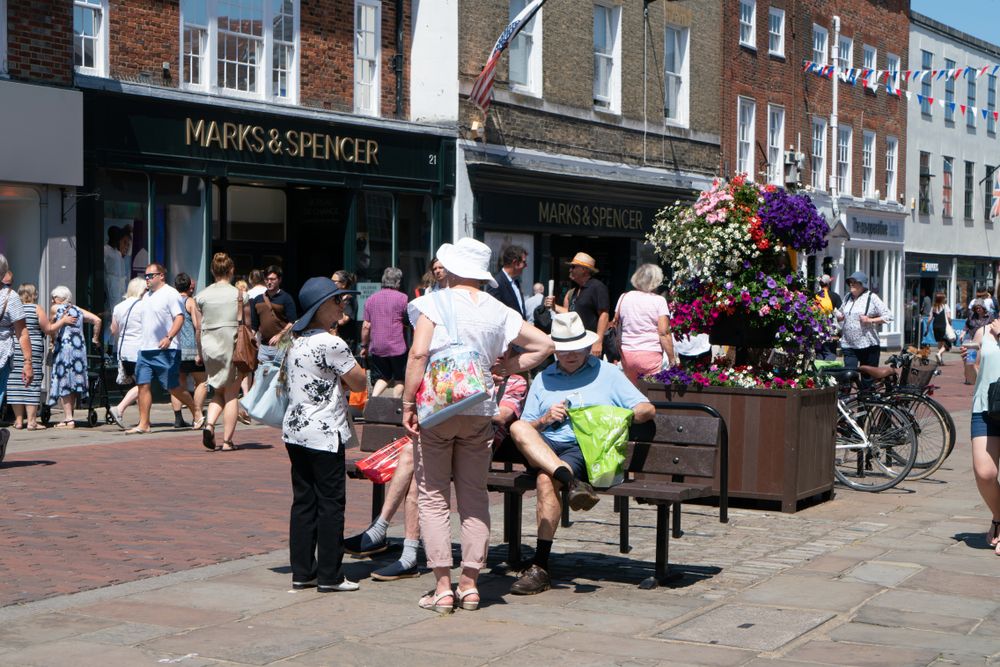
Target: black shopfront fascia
point(218, 144)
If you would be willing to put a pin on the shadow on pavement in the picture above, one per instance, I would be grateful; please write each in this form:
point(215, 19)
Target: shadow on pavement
point(25, 464)
point(973, 540)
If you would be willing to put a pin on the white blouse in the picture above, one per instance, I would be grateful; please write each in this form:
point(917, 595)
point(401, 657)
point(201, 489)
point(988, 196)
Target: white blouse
point(317, 415)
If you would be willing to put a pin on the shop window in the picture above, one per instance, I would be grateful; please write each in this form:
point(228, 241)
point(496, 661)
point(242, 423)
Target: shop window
point(818, 163)
point(891, 158)
point(179, 225)
point(949, 93)
point(946, 186)
point(124, 237)
point(748, 23)
point(776, 31)
point(926, 63)
point(844, 146)
point(676, 68)
point(970, 189)
point(970, 112)
point(607, 57)
point(255, 214)
point(819, 50)
point(243, 48)
point(868, 165)
point(925, 183)
point(367, 40)
point(90, 36)
point(413, 233)
point(526, 53)
point(775, 144)
point(746, 110)
point(374, 236)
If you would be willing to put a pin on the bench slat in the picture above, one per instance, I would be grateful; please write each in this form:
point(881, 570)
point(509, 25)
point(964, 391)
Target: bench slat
point(693, 460)
point(376, 436)
point(384, 410)
point(519, 480)
point(678, 429)
point(655, 490)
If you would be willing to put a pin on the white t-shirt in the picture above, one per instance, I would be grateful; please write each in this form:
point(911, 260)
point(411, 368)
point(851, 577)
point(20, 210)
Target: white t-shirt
point(255, 291)
point(317, 414)
point(159, 309)
point(639, 314)
point(485, 325)
point(129, 321)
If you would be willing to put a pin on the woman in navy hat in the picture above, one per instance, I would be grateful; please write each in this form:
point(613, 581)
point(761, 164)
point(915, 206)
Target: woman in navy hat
point(861, 314)
point(316, 430)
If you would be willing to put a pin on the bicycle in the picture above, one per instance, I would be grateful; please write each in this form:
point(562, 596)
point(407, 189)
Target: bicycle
point(875, 444)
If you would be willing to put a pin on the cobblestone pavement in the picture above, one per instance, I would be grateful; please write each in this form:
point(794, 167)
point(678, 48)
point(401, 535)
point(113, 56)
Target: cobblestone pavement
point(897, 578)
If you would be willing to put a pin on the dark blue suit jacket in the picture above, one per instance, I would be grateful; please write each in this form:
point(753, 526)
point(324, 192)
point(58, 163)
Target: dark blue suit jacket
point(504, 293)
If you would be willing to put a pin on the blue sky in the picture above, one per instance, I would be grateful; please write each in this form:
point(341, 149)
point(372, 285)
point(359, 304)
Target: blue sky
point(980, 18)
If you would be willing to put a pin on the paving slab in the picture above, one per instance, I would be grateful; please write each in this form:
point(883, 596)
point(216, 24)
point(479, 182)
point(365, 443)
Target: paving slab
point(463, 634)
point(809, 592)
point(674, 653)
point(337, 612)
point(174, 616)
point(87, 654)
point(953, 583)
point(914, 619)
point(544, 655)
point(966, 646)
point(884, 573)
point(366, 654)
point(249, 643)
point(946, 605)
point(749, 627)
point(828, 564)
point(610, 620)
point(861, 655)
point(48, 627)
point(127, 634)
point(214, 596)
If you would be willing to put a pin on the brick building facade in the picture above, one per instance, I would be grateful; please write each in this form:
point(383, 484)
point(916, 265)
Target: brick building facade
point(773, 110)
point(41, 156)
point(568, 154)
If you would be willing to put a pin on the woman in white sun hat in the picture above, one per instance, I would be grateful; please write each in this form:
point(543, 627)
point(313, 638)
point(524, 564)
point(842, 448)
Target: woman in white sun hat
point(459, 447)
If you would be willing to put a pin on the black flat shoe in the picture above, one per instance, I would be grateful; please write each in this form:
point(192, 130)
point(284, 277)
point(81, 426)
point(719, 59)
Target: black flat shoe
point(208, 438)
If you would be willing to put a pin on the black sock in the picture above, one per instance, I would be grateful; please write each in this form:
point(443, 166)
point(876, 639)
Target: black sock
point(542, 550)
point(177, 414)
point(564, 476)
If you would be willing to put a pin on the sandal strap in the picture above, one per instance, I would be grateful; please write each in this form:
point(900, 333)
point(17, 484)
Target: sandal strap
point(464, 594)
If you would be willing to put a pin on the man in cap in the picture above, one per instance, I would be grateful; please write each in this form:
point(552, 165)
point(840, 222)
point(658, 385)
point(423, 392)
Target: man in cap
point(589, 298)
point(545, 435)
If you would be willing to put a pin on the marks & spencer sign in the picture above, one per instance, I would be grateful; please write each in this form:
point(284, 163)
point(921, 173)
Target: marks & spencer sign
point(507, 211)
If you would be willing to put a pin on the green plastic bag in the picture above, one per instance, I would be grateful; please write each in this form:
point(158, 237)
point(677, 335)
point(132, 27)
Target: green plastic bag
point(602, 432)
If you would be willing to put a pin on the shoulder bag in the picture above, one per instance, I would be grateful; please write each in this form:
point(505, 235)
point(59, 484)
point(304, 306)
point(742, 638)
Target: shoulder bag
point(123, 377)
point(454, 378)
point(993, 402)
point(245, 353)
point(267, 400)
point(612, 335)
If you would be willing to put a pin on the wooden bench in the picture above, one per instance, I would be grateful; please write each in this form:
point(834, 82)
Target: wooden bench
point(383, 424)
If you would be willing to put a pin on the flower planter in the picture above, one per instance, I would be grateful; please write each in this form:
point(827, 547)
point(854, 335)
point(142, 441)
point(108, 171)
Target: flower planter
point(736, 330)
point(780, 442)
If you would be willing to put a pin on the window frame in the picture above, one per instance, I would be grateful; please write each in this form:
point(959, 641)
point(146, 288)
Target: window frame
point(100, 67)
point(868, 144)
point(926, 64)
point(376, 111)
point(534, 31)
point(776, 163)
point(924, 183)
point(987, 192)
point(3, 38)
point(613, 101)
point(683, 103)
point(970, 101)
point(817, 163)
point(891, 167)
point(970, 190)
point(848, 62)
point(844, 160)
point(817, 31)
point(751, 26)
point(264, 71)
point(866, 50)
point(892, 64)
point(949, 93)
point(947, 186)
point(779, 13)
point(745, 165)
point(991, 103)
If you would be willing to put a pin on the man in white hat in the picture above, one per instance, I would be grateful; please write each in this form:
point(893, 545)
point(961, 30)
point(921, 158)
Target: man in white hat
point(546, 438)
point(589, 298)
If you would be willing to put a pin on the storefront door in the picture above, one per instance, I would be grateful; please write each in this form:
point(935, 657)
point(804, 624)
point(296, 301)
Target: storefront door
point(612, 255)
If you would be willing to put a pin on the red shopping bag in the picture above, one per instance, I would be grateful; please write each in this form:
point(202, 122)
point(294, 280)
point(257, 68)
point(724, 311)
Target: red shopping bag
point(380, 466)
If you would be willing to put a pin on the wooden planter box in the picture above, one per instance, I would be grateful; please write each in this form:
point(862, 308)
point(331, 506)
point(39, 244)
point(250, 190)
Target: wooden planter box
point(780, 442)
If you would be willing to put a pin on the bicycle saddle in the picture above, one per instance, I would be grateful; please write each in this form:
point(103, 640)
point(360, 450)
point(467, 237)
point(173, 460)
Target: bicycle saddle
point(844, 377)
point(877, 372)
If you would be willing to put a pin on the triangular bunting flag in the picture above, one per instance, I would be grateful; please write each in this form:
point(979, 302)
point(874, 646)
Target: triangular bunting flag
point(807, 66)
point(995, 68)
point(960, 106)
point(906, 76)
point(982, 71)
point(986, 113)
point(996, 115)
point(949, 105)
point(938, 73)
point(909, 95)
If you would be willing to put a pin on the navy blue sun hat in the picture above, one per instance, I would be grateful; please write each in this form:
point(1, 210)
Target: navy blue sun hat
point(315, 293)
point(859, 277)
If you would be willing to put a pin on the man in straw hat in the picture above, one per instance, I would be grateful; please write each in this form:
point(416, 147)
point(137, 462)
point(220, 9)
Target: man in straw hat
point(589, 298)
point(545, 435)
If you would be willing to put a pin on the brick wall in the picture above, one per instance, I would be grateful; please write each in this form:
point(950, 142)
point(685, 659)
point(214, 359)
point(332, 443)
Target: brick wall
point(767, 79)
point(40, 41)
point(146, 33)
point(564, 119)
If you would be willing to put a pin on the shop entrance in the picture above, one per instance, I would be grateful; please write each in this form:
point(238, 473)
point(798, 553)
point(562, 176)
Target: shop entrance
point(613, 256)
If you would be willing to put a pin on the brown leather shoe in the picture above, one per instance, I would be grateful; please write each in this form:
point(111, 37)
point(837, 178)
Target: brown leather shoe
point(535, 580)
point(582, 496)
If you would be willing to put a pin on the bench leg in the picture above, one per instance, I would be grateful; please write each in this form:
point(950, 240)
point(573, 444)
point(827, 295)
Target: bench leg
point(661, 574)
point(514, 524)
point(506, 517)
point(565, 509)
point(677, 521)
point(623, 545)
point(378, 499)
point(618, 504)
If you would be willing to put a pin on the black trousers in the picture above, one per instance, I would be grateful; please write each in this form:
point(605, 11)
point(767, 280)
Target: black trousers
point(861, 356)
point(316, 527)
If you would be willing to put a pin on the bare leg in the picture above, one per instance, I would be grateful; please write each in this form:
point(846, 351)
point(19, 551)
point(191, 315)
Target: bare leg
point(68, 402)
point(19, 413)
point(175, 403)
point(380, 386)
point(985, 464)
point(397, 390)
point(145, 405)
point(200, 392)
point(182, 395)
point(128, 399)
point(548, 508)
point(32, 415)
point(399, 486)
point(411, 525)
point(535, 449)
point(230, 410)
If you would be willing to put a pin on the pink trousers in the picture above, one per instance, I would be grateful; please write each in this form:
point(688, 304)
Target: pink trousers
point(459, 449)
point(640, 362)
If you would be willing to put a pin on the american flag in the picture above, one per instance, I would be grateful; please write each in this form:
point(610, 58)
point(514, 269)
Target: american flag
point(995, 211)
point(482, 89)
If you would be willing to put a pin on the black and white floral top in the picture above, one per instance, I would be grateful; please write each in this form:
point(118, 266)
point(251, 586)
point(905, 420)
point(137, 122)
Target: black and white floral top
point(317, 409)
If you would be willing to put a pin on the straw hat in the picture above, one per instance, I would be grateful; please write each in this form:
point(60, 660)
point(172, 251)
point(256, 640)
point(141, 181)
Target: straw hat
point(568, 333)
point(467, 258)
point(584, 260)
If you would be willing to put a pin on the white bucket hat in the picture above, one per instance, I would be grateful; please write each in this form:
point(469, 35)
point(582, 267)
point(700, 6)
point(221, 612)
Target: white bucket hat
point(467, 258)
point(568, 333)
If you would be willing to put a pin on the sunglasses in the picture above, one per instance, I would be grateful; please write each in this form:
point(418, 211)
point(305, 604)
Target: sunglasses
point(338, 299)
point(150, 276)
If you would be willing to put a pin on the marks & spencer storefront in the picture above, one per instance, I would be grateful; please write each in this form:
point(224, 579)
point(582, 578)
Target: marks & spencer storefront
point(174, 181)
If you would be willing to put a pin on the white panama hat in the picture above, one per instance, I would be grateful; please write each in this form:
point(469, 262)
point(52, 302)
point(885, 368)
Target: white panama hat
point(467, 258)
point(568, 333)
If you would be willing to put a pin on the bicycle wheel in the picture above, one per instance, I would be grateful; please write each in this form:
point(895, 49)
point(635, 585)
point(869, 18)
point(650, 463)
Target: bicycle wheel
point(932, 432)
point(877, 450)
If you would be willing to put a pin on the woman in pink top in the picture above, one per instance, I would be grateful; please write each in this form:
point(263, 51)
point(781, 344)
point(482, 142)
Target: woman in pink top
point(643, 320)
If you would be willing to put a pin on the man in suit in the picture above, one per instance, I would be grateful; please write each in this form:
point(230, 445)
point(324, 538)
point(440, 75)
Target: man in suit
point(508, 290)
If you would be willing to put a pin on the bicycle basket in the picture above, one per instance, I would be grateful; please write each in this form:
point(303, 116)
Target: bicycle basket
point(916, 378)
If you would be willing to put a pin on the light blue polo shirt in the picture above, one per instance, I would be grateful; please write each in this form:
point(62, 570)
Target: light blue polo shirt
point(595, 383)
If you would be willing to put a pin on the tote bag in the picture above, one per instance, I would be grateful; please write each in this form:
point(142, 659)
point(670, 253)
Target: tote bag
point(268, 398)
point(454, 378)
point(245, 352)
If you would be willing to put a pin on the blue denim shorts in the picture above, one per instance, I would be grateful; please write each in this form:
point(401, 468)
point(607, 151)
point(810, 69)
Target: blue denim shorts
point(570, 454)
point(163, 365)
point(981, 426)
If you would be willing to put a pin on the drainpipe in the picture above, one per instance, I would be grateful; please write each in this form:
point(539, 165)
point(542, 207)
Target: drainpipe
point(834, 207)
point(397, 60)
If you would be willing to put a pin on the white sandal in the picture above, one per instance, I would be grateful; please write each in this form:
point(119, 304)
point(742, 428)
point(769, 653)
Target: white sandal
point(470, 605)
point(433, 602)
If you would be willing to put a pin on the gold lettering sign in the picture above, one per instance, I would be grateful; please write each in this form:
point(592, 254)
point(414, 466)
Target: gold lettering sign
point(239, 137)
point(590, 215)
